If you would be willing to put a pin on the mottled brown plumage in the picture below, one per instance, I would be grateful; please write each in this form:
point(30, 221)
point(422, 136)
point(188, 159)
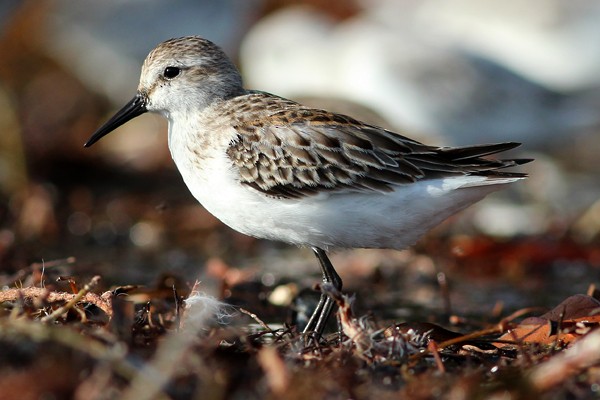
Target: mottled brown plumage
point(287, 150)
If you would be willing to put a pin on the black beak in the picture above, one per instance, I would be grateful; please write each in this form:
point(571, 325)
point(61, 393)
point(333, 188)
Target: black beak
point(135, 107)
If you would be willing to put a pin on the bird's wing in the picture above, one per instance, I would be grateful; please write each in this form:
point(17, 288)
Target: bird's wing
point(300, 152)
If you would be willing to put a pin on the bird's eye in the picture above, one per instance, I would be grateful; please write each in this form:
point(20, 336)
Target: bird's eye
point(171, 72)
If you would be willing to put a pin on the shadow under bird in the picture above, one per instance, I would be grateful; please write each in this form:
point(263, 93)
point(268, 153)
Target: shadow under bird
point(274, 169)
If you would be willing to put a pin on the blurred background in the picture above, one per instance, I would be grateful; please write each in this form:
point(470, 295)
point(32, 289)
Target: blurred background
point(451, 73)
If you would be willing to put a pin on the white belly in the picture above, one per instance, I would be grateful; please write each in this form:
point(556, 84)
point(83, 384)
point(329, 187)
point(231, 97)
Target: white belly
point(373, 220)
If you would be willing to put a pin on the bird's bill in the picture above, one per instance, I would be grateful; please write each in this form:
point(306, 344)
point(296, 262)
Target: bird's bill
point(135, 107)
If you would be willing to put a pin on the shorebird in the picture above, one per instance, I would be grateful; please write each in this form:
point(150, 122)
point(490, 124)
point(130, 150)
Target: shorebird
point(274, 169)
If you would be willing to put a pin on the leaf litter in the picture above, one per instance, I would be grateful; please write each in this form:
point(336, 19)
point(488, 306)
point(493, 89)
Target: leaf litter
point(76, 340)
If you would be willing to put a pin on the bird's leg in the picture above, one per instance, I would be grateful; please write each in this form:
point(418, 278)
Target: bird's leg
point(318, 319)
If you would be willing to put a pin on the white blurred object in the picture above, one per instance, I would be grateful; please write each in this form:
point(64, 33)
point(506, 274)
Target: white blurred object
point(552, 42)
point(428, 67)
point(203, 311)
point(501, 219)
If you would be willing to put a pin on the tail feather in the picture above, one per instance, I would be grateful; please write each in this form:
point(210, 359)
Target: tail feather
point(476, 151)
point(468, 160)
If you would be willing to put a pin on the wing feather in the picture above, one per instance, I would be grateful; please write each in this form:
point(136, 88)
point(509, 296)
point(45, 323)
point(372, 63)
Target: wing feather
point(294, 151)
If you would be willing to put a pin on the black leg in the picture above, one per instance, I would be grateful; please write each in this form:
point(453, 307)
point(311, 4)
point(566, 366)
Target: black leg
point(317, 321)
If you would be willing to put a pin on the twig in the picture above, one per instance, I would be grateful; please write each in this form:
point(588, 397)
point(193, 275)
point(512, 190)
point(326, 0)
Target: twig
point(255, 317)
point(103, 301)
point(434, 350)
point(62, 310)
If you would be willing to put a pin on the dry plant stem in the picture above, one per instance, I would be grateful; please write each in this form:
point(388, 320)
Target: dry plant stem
point(33, 293)
point(54, 263)
point(484, 332)
point(559, 328)
point(195, 290)
point(498, 328)
point(520, 313)
point(71, 281)
point(592, 291)
point(255, 317)
point(583, 354)
point(433, 349)
point(149, 315)
point(460, 339)
point(23, 273)
point(62, 310)
point(178, 308)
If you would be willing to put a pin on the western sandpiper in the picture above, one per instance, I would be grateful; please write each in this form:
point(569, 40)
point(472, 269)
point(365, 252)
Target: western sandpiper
point(274, 169)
